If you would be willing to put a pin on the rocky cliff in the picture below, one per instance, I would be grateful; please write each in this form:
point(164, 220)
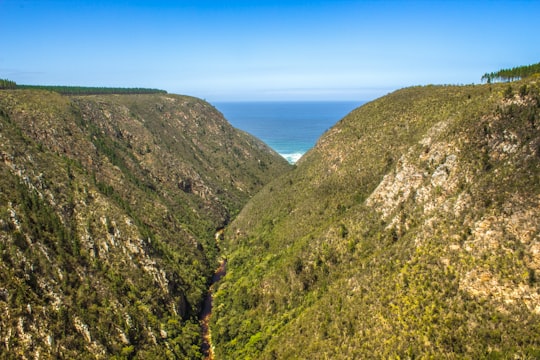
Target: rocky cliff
point(411, 230)
point(108, 209)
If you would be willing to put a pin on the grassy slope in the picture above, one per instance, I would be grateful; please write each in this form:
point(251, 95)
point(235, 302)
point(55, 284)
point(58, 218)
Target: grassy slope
point(108, 208)
point(410, 230)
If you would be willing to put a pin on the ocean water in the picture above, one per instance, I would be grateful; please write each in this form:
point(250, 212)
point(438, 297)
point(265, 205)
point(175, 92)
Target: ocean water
point(291, 128)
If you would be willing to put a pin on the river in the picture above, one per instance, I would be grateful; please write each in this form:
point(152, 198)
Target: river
point(207, 311)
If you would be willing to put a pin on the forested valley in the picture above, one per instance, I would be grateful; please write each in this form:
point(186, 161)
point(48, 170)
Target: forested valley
point(409, 231)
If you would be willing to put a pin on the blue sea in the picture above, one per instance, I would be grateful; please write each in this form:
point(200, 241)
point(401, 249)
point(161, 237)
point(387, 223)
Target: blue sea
point(290, 128)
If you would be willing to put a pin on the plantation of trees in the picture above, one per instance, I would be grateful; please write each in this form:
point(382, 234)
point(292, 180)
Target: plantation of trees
point(83, 90)
point(80, 90)
point(7, 84)
point(515, 73)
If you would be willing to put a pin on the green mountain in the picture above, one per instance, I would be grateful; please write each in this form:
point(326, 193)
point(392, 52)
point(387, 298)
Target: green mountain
point(411, 230)
point(108, 209)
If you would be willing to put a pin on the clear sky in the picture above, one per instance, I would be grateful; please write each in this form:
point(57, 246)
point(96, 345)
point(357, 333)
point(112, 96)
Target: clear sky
point(263, 49)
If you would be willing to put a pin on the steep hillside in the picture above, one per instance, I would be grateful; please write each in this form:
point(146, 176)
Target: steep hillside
point(410, 230)
point(108, 209)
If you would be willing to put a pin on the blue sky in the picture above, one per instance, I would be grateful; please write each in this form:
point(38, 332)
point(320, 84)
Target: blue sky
point(262, 49)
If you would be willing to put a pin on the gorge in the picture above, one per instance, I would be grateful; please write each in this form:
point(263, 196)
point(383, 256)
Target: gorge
point(410, 230)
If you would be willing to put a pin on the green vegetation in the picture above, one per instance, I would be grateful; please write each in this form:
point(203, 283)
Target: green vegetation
point(105, 251)
point(85, 90)
point(7, 84)
point(515, 73)
point(80, 90)
point(409, 231)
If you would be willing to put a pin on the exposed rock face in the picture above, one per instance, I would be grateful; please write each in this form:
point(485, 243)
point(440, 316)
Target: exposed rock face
point(442, 192)
point(411, 230)
point(108, 207)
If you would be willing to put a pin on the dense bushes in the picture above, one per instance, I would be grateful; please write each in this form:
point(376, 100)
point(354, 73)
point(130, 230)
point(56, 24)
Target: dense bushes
point(101, 253)
point(321, 267)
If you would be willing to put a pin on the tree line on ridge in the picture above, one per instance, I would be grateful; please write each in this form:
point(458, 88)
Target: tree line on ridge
point(515, 73)
point(80, 90)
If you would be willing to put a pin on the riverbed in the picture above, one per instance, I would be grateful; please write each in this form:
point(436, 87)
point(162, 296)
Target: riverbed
point(207, 311)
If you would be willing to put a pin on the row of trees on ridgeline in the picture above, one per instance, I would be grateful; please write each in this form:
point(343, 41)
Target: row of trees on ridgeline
point(84, 90)
point(7, 84)
point(515, 73)
point(80, 90)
